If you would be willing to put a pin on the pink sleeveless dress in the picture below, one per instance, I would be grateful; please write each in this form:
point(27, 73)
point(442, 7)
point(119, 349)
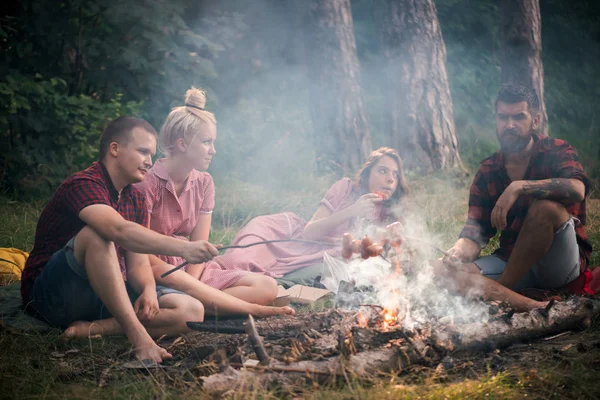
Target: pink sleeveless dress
point(174, 215)
point(278, 259)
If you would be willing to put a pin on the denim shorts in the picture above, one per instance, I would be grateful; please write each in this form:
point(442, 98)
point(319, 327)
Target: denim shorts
point(559, 266)
point(62, 294)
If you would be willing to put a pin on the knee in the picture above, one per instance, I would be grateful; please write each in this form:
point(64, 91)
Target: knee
point(268, 288)
point(88, 241)
point(547, 210)
point(191, 310)
point(89, 238)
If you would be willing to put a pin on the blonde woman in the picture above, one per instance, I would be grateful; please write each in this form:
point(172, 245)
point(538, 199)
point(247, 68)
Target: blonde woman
point(180, 196)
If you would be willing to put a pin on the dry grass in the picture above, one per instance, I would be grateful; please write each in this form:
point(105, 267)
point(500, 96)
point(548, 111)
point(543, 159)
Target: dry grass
point(35, 365)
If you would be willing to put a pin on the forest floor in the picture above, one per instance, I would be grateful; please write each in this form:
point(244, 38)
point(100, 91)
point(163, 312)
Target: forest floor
point(43, 365)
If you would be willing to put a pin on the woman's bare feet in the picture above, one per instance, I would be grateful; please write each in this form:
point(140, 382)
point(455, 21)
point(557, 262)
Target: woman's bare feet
point(153, 352)
point(269, 311)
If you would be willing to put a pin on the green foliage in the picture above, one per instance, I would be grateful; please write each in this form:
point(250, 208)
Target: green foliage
point(70, 66)
point(46, 134)
point(570, 46)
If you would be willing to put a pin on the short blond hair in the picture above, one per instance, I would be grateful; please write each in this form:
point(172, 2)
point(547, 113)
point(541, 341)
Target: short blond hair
point(185, 121)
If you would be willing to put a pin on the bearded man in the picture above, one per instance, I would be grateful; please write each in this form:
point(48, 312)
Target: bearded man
point(533, 190)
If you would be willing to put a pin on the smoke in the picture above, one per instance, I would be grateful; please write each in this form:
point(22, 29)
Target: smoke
point(405, 282)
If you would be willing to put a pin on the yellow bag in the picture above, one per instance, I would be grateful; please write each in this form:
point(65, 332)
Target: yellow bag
point(12, 262)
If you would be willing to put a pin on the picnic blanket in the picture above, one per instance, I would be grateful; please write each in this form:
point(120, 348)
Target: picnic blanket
point(12, 314)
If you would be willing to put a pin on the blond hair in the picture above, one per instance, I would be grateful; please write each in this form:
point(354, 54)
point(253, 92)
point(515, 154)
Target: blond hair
point(185, 121)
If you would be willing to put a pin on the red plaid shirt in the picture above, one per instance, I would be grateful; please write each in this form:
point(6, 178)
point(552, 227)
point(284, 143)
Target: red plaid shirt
point(551, 158)
point(59, 221)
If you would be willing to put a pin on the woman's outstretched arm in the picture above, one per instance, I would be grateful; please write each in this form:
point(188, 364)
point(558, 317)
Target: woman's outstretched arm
point(323, 222)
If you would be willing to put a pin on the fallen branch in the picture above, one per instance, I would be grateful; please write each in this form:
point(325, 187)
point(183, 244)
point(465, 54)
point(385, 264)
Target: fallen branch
point(256, 342)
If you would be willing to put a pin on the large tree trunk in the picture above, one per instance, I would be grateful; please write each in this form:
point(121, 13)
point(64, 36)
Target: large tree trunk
point(521, 49)
point(341, 133)
point(420, 122)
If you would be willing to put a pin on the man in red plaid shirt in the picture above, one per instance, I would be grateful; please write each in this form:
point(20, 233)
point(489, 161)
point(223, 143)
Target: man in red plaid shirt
point(91, 236)
point(533, 190)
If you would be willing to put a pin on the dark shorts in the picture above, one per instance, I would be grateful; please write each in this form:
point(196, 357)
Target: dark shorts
point(559, 267)
point(62, 294)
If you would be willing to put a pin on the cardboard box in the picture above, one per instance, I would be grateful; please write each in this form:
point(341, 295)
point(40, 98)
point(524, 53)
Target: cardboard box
point(283, 298)
point(299, 294)
point(306, 294)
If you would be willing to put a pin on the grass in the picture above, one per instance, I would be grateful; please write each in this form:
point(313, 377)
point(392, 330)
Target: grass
point(40, 365)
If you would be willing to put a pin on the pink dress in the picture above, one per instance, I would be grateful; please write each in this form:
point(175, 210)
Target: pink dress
point(174, 215)
point(278, 259)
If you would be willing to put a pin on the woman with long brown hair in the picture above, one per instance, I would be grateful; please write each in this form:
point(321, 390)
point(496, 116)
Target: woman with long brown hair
point(379, 187)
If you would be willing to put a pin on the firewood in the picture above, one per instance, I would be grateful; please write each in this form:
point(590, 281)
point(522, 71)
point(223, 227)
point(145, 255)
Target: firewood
point(256, 341)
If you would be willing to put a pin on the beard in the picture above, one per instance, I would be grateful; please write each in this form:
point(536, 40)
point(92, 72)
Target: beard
point(512, 142)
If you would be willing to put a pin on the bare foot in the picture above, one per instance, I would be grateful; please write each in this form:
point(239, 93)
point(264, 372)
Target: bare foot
point(153, 352)
point(79, 329)
point(531, 305)
point(268, 311)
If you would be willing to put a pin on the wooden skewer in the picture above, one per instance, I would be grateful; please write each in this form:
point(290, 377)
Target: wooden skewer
point(183, 264)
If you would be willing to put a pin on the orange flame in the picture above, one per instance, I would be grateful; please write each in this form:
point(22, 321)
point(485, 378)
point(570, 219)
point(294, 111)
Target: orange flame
point(363, 321)
point(390, 317)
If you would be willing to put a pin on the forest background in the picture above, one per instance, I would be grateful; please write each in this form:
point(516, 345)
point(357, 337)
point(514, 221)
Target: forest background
point(71, 66)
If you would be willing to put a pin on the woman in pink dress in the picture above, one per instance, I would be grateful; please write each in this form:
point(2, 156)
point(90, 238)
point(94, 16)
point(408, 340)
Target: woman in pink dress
point(344, 204)
point(180, 198)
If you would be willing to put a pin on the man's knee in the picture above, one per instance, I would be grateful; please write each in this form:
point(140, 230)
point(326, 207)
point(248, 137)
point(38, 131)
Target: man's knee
point(542, 211)
point(87, 239)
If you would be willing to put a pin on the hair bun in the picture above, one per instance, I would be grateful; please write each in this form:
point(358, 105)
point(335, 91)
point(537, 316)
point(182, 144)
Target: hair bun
point(195, 98)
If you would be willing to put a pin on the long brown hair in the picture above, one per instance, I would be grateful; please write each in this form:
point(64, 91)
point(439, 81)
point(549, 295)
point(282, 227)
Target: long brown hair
point(362, 178)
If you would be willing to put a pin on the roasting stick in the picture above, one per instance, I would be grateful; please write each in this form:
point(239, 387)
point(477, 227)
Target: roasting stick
point(425, 242)
point(183, 264)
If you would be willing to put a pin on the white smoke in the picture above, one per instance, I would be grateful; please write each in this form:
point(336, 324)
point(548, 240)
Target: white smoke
point(410, 288)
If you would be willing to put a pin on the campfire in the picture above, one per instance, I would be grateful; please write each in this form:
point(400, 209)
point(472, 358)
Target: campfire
point(386, 325)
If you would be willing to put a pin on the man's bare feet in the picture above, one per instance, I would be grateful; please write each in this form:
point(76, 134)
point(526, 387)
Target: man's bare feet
point(153, 352)
point(79, 329)
point(269, 311)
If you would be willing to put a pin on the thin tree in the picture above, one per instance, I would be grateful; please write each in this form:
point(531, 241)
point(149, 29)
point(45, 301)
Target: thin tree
point(341, 133)
point(521, 48)
point(420, 118)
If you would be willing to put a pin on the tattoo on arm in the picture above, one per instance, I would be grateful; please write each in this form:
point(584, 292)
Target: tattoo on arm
point(557, 189)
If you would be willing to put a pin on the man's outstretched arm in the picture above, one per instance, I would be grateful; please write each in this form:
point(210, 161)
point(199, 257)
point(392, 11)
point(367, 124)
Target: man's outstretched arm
point(109, 224)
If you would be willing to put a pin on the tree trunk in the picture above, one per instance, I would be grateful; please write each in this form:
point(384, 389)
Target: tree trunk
point(420, 121)
point(521, 49)
point(341, 133)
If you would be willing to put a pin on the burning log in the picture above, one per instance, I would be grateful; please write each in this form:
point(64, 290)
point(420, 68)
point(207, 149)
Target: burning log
point(556, 318)
point(364, 352)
